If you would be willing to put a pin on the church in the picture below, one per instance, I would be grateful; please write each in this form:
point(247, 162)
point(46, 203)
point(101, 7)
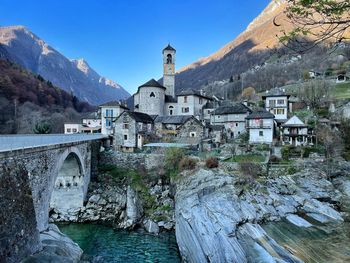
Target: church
point(156, 99)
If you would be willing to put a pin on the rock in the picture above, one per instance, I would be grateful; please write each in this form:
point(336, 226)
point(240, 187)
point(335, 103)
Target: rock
point(94, 198)
point(151, 227)
point(133, 206)
point(321, 212)
point(298, 221)
point(169, 226)
point(57, 247)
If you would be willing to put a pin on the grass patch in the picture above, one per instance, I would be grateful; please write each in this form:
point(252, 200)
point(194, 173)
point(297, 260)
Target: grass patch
point(247, 157)
point(341, 91)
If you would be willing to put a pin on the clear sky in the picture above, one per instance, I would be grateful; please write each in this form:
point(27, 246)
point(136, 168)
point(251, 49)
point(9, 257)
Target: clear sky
point(123, 40)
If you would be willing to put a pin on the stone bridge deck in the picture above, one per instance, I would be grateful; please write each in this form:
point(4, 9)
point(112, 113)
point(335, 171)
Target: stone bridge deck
point(10, 143)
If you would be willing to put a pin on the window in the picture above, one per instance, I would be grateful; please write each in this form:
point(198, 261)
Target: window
point(152, 95)
point(186, 109)
point(125, 125)
point(236, 124)
point(261, 133)
point(280, 102)
point(185, 99)
point(169, 59)
point(261, 123)
point(193, 134)
point(280, 111)
point(200, 101)
point(89, 122)
point(272, 103)
point(69, 130)
point(208, 111)
point(125, 137)
point(74, 130)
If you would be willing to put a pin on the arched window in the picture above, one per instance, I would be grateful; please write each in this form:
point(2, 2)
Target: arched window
point(169, 59)
point(152, 95)
point(171, 110)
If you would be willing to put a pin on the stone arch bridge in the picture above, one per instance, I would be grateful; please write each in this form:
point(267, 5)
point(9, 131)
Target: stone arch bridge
point(38, 172)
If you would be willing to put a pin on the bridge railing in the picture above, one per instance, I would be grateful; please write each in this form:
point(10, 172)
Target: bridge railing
point(25, 141)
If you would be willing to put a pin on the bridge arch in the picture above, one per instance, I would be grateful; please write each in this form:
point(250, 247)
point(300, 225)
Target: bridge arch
point(69, 184)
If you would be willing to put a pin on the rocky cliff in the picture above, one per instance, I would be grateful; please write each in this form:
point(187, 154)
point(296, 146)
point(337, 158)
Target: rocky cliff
point(21, 46)
point(219, 216)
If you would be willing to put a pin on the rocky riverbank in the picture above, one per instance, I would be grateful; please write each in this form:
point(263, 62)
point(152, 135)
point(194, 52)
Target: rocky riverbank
point(123, 207)
point(219, 215)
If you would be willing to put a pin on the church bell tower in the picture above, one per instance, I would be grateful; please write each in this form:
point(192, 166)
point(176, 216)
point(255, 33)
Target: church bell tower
point(169, 70)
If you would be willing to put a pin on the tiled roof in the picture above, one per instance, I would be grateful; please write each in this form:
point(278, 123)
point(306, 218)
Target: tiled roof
point(113, 104)
point(261, 114)
point(276, 92)
point(193, 92)
point(140, 117)
point(175, 119)
point(238, 108)
point(168, 47)
point(152, 83)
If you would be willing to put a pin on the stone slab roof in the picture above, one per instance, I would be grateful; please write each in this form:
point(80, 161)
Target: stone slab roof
point(175, 119)
point(261, 114)
point(238, 108)
point(192, 92)
point(113, 103)
point(152, 83)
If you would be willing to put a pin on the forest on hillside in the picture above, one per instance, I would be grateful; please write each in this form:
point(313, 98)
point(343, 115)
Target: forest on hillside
point(27, 99)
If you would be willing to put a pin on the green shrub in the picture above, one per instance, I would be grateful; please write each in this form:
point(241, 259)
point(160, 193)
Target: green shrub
point(285, 151)
point(172, 159)
point(274, 159)
point(262, 147)
point(250, 169)
point(187, 163)
point(212, 162)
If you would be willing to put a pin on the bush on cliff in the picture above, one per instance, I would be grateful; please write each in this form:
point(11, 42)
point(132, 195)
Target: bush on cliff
point(187, 163)
point(172, 159)
point(212, 162)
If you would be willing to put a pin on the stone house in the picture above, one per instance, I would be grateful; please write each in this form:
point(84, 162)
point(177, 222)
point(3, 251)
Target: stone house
point(131, 130)
point(216, 133)
point(277, 102)
point(295, 132)
point(260, 124)
point(166, 126)
point(110, 111)
point(232, 117)
point(190, 132)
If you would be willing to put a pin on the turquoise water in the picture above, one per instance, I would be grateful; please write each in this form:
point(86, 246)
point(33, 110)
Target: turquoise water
point(104, 244)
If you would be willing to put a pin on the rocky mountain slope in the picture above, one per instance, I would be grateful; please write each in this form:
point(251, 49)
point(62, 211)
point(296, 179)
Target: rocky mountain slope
point(250, 48)
point(21, 46)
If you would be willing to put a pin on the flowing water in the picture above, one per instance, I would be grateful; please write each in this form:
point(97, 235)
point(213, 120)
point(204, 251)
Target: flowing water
point(319, 244)
point(104, 244)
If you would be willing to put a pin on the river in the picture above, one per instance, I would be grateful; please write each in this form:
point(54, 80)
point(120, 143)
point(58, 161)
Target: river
point(105, 244)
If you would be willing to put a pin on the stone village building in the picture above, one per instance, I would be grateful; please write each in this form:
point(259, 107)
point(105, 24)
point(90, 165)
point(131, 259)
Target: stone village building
point(260, 124)
point(132, 129)
point(295, 132)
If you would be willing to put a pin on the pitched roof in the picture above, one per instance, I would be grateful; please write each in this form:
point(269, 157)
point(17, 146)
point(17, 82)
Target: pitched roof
point(138, 116)
point(174, 119)
point(238, 108)
point(152, 83)
point(276, 92)
point(209, 105)
point(113, 103)
point(193, 92)
point(168, 47)
point(260, 114)
point(294, 122)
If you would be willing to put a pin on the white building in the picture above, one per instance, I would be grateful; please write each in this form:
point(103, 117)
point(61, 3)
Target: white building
point(277, 102)
point(260, 124)
point(191, 102)
point(233, 117)
point(109, 112)
point(295, 132)
point(91, 123)
point(72, 128)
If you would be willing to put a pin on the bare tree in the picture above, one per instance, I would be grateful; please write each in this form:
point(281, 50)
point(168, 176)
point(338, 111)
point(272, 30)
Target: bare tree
point(314, 22)
point(315, 92)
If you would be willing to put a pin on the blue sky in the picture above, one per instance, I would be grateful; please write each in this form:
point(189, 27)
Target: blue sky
point(122, 40)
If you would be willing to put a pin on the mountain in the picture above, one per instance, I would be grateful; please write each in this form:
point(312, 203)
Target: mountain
point(21, 46)
point(27, 99)
point(250, 48)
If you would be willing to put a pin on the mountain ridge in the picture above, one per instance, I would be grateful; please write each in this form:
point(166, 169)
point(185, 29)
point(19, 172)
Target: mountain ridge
point(25, 48)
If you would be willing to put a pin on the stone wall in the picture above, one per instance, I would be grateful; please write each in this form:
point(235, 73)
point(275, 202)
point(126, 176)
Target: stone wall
point(19, 236)
point(132, 160)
